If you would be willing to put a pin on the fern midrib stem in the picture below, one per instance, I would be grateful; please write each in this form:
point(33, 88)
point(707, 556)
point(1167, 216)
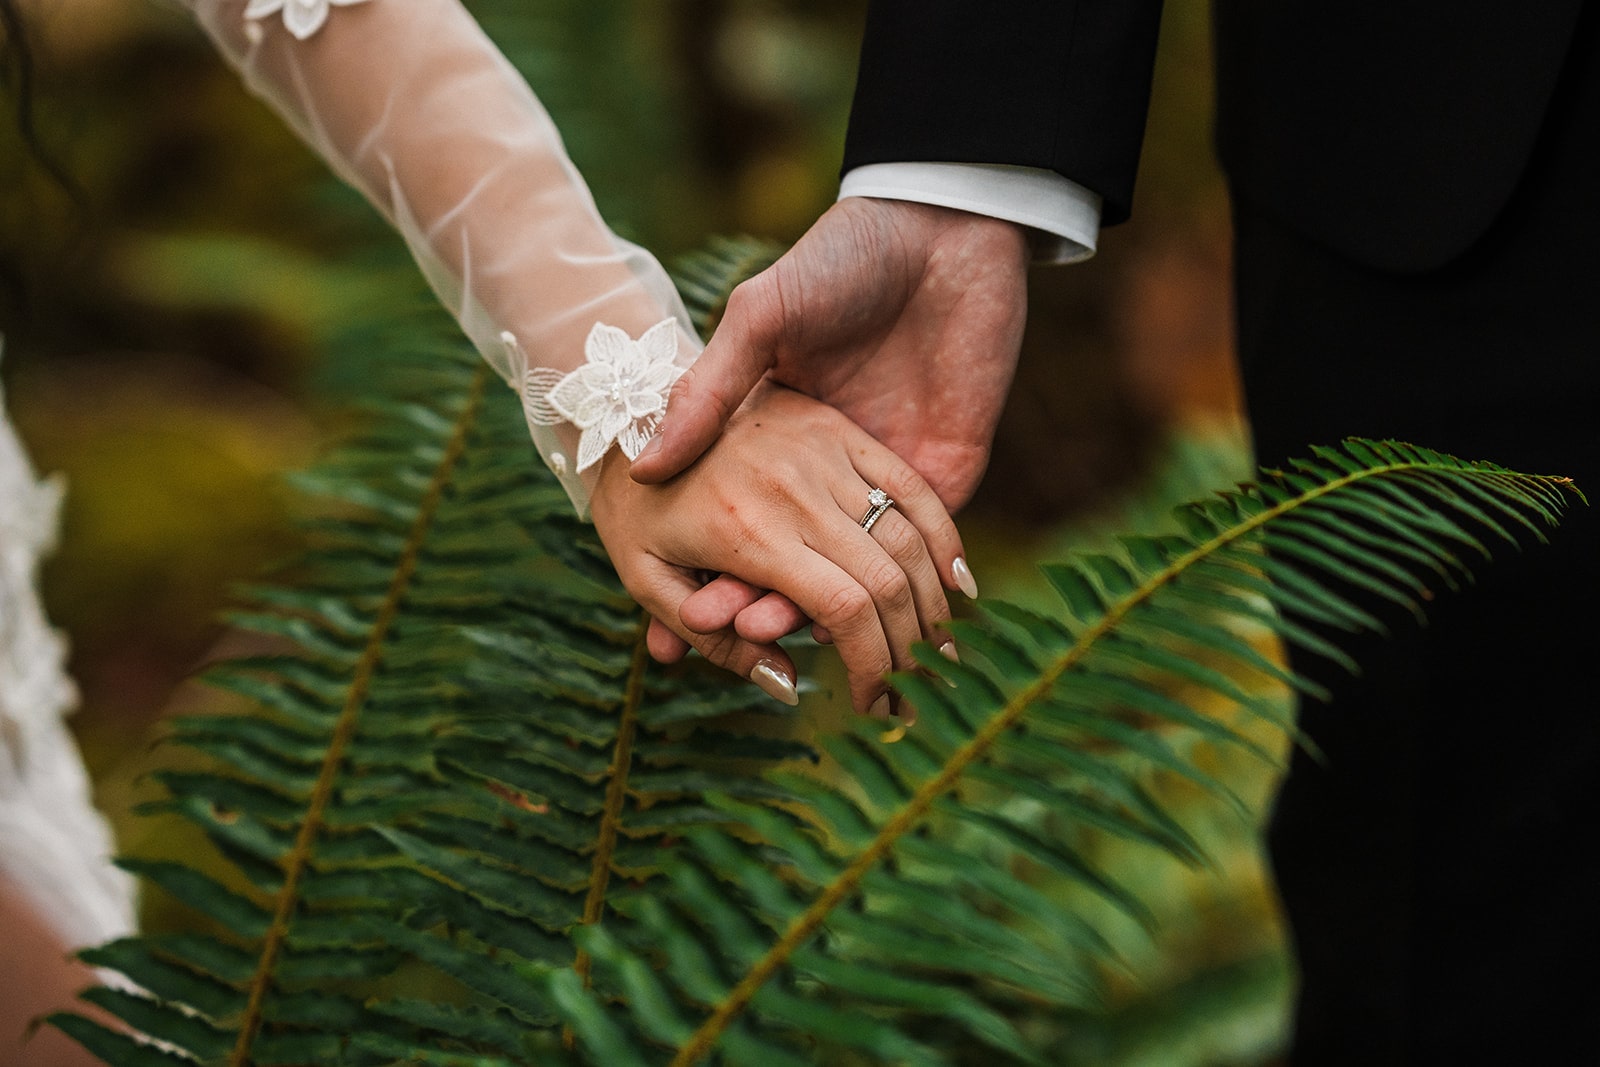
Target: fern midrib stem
point(344, 727)
point(808, 921)
point(594, 906)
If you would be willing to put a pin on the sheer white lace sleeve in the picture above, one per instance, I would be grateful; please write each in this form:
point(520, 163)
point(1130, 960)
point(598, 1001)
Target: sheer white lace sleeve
point(410, 102)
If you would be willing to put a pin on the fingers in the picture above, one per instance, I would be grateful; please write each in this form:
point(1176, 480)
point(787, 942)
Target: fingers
point(892, 564)
point(774, 616)
point(661, 590)
point(888, 581)
point(845, 604)
point(740, 353)
point(762, 618)
point(885, 597)
point(873, 594)
point(792, 526)
point(715, 605)
point(770, 618)
point(663, 645)
point(755, 614)
point(904, 544)
point(921, 507)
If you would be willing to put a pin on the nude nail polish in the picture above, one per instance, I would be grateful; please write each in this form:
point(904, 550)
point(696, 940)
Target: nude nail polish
point(774, 683)
point(880, 707)
point(963, 576)
point(948, 651)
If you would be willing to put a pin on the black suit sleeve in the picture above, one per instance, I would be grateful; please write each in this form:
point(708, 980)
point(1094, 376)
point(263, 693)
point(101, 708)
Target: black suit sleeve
point(1056, 84)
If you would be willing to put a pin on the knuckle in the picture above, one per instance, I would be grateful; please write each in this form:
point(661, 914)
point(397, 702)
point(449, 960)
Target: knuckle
point(681, 389)
point(872, 671)
point(755, 305)
point(902, 477)
point(900, 540)
point(843, 605)
point(887, 582)
point(698, 385)
point(720, 649)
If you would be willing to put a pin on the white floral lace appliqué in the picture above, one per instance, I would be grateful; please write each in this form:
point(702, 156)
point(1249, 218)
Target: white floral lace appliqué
point(618, 396)
point(300, 17)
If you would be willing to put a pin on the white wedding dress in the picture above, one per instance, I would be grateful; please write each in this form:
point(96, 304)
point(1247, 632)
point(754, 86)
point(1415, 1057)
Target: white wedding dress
point(55, 849)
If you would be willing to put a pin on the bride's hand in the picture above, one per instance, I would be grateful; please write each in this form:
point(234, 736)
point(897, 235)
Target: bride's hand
point(778, 502)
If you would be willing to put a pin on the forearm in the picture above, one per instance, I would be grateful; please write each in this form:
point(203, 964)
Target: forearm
point(410, 102)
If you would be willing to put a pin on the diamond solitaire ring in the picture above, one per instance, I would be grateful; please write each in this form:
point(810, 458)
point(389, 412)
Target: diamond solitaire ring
point(878, 502)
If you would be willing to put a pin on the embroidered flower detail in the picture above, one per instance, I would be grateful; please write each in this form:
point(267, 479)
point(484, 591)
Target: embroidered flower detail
point(619, 395)
point(301, 17)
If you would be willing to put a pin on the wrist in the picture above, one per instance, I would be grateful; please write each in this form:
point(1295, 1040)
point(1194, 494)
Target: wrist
point(1060, 218)
point(610, 490)
point(1001, 242)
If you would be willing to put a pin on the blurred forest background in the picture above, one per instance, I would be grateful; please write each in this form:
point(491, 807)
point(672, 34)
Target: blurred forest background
point(163, 308)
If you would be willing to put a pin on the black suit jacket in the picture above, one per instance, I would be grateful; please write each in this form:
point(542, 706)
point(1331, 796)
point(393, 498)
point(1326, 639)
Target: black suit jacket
point(1393, 131)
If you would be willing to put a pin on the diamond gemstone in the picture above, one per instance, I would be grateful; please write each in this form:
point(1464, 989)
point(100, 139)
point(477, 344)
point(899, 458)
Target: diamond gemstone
point(877, 498)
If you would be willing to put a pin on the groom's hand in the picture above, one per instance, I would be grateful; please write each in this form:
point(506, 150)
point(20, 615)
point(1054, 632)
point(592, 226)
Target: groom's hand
point(905, 317)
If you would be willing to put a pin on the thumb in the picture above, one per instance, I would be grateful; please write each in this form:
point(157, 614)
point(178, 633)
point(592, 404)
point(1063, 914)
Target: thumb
point(742, 350)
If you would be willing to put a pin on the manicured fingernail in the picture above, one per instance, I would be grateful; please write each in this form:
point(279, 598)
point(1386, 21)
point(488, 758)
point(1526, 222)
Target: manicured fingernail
point(880, 707)
point(948, 651)
point(963, 576)
point(650, 449)
point(774, 682)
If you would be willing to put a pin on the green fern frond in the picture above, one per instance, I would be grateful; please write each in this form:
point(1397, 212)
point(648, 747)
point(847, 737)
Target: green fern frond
point(467, 816)
point(311, 822)
point(459, 756)
point(464, 768)
point(867, 908)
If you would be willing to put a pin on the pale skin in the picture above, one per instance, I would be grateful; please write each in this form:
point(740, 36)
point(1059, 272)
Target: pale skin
point(906, 318)
point(410, 100)
point(777, 502)
point(37, 977)
point(413, 105)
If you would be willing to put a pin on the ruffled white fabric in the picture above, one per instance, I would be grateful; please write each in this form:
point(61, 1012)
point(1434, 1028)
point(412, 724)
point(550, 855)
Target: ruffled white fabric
point(411, 103)
point(54, 846)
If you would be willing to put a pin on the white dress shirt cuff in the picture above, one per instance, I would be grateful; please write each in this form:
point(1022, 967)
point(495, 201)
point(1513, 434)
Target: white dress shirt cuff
point(1063, 215)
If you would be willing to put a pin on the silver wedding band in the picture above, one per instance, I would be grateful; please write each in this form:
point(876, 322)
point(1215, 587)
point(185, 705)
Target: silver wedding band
point(878, 502)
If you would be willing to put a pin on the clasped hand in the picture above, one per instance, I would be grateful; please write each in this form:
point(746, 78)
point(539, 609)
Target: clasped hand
point(905, 321)
point(778, 502)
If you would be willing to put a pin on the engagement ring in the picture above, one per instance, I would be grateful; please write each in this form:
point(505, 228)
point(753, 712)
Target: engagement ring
point(878, 502)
